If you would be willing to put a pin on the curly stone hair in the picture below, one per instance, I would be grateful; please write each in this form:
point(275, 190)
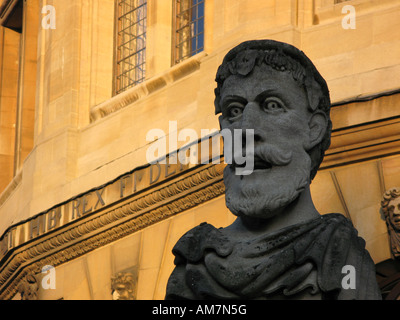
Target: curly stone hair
point(388, 196)
point(284, 57)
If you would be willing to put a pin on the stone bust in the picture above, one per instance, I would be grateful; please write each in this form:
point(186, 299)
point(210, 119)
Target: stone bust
point(390, 207)
point(279, 246)
point(122, 286)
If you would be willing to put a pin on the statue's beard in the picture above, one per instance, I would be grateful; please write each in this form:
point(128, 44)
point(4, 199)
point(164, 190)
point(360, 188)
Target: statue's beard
point(394, 238)
point(265, 192)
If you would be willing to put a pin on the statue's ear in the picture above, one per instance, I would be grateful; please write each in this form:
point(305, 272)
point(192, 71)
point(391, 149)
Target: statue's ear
point(314, 95)
point(318, 126)
point(313, 91)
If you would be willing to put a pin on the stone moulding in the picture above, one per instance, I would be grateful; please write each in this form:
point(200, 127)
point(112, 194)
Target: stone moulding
point(144, 89)
point(365, 142)
point(110, 224)
point(10, 188)
point(11, 14)
point(5, 6)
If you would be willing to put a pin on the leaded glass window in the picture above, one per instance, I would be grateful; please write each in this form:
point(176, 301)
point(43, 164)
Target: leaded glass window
point(131, 43)
point(189, 29)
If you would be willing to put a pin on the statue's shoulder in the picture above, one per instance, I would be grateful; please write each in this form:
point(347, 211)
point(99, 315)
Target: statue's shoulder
point(336, 218)
point(339, 231)
point(345, 248)
point(191, 246)
point(342, 224)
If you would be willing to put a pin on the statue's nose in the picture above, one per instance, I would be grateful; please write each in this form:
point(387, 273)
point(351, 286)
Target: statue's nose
point(251, 120)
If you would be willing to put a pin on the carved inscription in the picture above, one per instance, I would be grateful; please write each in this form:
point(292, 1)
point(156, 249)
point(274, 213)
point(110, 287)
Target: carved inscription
point(125, 186)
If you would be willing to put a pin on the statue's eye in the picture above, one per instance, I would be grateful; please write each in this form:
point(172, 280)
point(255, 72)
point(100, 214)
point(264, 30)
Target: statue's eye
point(273, 105)
point(235, 109)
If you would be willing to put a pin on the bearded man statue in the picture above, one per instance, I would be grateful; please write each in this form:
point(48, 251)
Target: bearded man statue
point(279, 246)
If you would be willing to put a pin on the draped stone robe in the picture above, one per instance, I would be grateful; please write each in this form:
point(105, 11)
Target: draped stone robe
point(303, 261)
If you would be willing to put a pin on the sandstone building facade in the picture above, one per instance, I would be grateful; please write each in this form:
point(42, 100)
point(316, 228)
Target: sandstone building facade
point(85, 85)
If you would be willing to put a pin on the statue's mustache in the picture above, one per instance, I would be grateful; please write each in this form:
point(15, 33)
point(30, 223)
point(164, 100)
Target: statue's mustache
point(270, 154)
point(273, 155)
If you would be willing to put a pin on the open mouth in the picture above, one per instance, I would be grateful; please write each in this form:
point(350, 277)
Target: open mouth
point(396, 219)
point(259, 164)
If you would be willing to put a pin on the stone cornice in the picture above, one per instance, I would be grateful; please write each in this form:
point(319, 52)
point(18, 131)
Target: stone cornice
point(146, 88)
point(110, 224)
point(363, 142)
